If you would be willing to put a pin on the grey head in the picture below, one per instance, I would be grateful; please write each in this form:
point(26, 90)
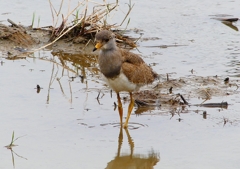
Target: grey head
point(105, 40)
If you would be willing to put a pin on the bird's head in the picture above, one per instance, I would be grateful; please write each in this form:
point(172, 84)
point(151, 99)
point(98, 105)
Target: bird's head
point(105, 40)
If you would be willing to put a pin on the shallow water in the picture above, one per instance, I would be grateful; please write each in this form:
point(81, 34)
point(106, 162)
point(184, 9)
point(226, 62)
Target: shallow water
point(70, 129)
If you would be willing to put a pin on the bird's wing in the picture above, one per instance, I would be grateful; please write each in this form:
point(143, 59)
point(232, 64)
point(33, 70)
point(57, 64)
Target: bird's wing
point(131, 57)
point(136, 70)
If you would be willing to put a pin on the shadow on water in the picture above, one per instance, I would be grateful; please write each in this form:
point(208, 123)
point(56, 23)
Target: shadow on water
point(132, 160)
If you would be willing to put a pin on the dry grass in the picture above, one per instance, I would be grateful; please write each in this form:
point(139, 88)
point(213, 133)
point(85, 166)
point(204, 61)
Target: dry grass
point(87, 23)
point(78, 25)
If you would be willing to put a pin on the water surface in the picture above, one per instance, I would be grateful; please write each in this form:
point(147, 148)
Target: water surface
point(70, 129)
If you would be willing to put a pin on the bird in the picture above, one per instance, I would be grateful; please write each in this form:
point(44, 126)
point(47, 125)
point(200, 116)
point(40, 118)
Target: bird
point(122, 70)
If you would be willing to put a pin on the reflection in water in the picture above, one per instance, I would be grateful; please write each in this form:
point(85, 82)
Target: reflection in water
point(38, 89)
point(10, 147)
point(229, 24)
point(204, 115)
point(227, 21)
point(81, 65)
point(133, 161)
point(78, 63)
point(14, 153)
point(141, 110)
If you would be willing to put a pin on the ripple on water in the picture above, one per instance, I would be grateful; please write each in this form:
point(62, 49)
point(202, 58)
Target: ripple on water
point(131, 125)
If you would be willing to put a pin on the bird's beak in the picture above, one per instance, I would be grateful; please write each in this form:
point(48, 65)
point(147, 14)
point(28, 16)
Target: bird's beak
point(97, 46)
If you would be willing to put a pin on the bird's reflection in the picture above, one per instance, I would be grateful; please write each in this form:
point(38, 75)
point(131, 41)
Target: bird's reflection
point(130, 161)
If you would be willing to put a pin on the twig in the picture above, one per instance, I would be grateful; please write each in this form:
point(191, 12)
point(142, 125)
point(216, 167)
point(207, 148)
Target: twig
point(83, 22)
point(50, 83)
point(129, 10)
point(220, 105)
point(184, 101)
point(13, 23)
point(57, 38)
point(58, 80)
point(98, 95)
point(70, 90)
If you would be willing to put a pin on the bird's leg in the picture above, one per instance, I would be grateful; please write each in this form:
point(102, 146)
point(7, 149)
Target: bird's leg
point(130, 107)
point(120, 109)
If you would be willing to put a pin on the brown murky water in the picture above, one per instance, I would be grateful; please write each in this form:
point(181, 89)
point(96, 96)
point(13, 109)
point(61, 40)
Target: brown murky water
point(65, 126)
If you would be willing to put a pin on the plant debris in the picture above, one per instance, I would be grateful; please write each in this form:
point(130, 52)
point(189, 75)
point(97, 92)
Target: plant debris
point(76, 27)
point(187, 88)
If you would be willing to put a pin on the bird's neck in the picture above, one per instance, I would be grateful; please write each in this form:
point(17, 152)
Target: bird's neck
point(110, 62)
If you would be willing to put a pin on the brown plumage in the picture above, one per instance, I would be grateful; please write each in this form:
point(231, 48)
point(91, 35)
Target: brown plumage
point(136, 70)
point(122, 70)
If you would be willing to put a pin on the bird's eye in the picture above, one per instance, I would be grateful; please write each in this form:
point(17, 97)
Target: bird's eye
point(106, 40)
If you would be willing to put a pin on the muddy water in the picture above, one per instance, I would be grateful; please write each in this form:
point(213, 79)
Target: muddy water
point(65, 126)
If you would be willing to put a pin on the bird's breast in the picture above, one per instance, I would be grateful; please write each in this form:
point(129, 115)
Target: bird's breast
point(121, 83)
